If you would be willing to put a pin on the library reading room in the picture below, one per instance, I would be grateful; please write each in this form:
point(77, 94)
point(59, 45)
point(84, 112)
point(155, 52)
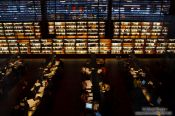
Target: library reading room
point(87, 57)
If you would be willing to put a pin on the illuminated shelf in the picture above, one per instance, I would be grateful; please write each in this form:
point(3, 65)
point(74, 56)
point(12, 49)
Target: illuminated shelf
point(51, 26)
point(161, 46)
point(58, 46)
point(127, 50)
point(13, 46)
point(92, 29)
point(139, 30)
point(83, 37)
point(78, 27)
point(105, 46)
point(81, 46)
point(35, 46)
point(37, 30)
point(93, 45)
point(18, 35)
point(116, 46)
point(46, 46)
point(139, 46)
point(4, 47)
point(171, 45)
point(127, 46)
point(24, 30)
point(24, 46)
point(82, 29)
point(116, 29)
point(71, 29)
point(125, 29)
point(79, 37)
point(69, 46)
point(101, 30)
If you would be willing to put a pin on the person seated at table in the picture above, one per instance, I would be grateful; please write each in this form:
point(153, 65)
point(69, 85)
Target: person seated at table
point(88, 71)
point(99, 71)
point(84, 96)
point(104, 87)
point(8, 71)
point(83, 70)
point(150, 83)
point(11, 64)
point(35, 88)
point(46, 71)
point(87, 84)
point(57, 63)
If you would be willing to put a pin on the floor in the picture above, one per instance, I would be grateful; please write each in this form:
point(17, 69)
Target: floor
point(65, 100)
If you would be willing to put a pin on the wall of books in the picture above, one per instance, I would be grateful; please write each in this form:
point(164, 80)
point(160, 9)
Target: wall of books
point(79, 37)
point(140, 37)
point(79, 27)
point(140, 26)
point(20, 37)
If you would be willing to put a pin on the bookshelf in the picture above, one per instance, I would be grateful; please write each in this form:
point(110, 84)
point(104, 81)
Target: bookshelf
point(139, 46)
point(58, 46)
point(13, 46)
point(105, 46)
point(4, 47)
point(116, 46)
point(35, 46)
point(142, 37)
point(161, 46)
point(93, 46)
point(171, 45)
point(80, 37)
point(69, 46)
point(82, 30)
point(24, 46)
point(46, 46)
point(78, 27)
point(21, 37)
point(101, 30)
point(71, 30)
point(81, 46)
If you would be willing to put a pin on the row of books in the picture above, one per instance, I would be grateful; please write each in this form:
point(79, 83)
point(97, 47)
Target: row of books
point(84, 46)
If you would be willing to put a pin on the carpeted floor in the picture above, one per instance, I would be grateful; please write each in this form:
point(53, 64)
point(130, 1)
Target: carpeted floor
point(65, 99)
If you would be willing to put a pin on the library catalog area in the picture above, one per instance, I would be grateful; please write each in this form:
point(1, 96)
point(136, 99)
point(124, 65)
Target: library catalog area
point(86, 26)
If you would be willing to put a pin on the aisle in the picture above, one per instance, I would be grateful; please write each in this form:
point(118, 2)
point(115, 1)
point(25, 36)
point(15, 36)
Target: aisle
point(121, 102)
point(67, 96)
